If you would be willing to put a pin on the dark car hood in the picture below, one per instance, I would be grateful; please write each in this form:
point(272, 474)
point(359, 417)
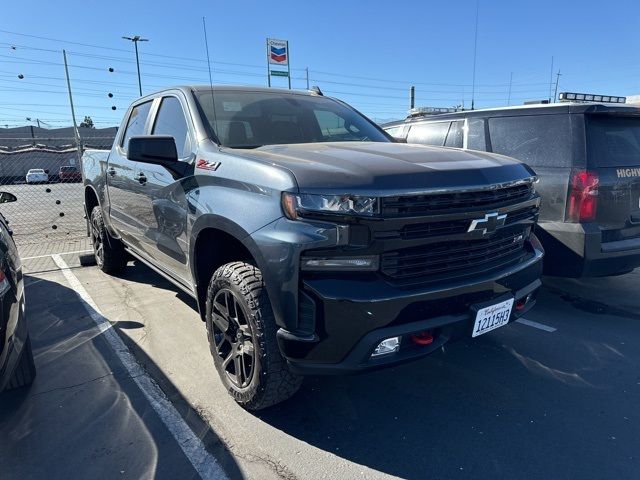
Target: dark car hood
point(389, 168)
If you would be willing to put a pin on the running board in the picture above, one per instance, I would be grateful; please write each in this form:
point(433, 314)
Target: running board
point(160, 272)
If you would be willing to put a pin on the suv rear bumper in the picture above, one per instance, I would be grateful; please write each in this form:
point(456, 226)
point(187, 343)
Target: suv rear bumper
point(354, 314)
point(576, 250)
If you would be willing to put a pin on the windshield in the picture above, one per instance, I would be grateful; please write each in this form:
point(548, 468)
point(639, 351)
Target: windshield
point(613, 141)
point(254, 119)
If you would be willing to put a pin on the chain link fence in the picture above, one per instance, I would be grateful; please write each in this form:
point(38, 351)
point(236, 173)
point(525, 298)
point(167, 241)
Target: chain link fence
point(44, 174)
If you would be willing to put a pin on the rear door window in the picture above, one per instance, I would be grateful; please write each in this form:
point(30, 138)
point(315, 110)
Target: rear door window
point(455, 135)
point(428, 133)
point(613, 141)
point(395, 132)
point(476, 135)
point(136, 123)
point(538, 140)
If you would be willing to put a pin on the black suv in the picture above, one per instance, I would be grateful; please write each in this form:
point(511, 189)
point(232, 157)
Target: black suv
point(587, 157)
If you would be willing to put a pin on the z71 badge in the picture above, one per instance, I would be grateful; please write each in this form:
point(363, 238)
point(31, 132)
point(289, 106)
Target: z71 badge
point(204, 165)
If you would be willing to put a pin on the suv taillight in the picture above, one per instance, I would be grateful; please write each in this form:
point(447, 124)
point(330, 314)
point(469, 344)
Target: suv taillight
point(583, 197)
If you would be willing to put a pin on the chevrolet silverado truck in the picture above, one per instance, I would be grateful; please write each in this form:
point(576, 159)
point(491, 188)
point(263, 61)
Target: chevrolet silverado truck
point(312, 242)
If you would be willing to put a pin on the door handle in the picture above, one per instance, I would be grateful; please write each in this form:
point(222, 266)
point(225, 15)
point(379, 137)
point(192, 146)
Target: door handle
point(141, 178)
point(111, 171)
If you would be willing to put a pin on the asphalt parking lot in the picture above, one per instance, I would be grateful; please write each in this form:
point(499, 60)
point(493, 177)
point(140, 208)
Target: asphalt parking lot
point(45, 212)
point(554, 397)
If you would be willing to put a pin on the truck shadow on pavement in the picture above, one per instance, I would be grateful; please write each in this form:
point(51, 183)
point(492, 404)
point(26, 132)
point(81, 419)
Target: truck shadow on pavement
point(518, 403)
point(84, 415)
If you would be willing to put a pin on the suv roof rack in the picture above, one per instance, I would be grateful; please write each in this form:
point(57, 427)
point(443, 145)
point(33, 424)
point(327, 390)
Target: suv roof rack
point(420, 111)
point(590, 97)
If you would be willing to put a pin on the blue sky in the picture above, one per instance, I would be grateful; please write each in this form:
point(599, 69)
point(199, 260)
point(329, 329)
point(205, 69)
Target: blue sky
point(366, 53)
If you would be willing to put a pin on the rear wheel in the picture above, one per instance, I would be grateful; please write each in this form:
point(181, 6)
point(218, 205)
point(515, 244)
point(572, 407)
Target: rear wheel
point(242, 337)
point(108, 251)
point(25, 370)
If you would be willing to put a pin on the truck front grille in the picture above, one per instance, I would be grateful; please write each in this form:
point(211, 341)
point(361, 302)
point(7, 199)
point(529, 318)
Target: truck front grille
point(450, 259)
point(452, 227)
point(408, 205)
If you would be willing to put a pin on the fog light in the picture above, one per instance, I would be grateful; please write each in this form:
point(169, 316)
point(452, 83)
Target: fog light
point(388, 345)
point(365, 263)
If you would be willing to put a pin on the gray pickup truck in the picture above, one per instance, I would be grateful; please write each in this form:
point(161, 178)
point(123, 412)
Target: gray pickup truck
point(312, 242)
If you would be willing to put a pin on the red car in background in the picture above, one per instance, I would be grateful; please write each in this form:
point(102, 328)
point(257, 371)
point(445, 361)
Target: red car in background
point(69, 174)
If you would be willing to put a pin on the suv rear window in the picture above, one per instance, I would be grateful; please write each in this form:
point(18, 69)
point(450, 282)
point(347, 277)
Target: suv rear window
point(538, 140)
point(613, 141)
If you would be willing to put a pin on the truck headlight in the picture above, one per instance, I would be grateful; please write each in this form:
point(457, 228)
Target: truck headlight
point(295, 205)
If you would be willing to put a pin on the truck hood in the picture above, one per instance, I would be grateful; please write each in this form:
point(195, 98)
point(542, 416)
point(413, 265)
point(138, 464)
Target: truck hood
point(379, 169)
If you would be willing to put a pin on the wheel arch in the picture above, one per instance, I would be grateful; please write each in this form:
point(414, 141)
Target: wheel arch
point(90, 202)
point(215, 241)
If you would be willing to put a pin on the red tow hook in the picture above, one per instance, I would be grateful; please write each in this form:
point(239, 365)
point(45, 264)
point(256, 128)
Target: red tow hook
point(520, 304)
point(422, 338)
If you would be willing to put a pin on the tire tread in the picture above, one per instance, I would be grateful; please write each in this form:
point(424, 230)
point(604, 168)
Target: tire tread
point(115, 257)
point(277, 382)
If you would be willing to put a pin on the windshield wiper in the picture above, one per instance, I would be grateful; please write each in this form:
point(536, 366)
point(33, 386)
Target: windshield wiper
point(243, 146)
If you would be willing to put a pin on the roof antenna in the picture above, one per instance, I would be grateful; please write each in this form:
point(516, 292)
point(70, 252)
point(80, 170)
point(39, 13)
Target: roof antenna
point(213, 103)
point(316, 89)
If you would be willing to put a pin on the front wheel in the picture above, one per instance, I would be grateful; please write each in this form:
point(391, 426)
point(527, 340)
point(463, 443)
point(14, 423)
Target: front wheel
point(242, 337)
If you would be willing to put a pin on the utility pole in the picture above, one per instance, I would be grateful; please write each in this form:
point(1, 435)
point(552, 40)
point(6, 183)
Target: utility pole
point(555, 95)
point(135, 39)
point(510, 82)
point(307, 70)
point(412, 96)
point(551, 80)
point(268, 66)
point(475, 54)
point(288, 65)
point(73, 111)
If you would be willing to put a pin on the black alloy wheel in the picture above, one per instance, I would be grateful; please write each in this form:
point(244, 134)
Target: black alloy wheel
point(234, 338)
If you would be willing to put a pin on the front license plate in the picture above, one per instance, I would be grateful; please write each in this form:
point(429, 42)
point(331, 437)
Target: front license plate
point(492, 317)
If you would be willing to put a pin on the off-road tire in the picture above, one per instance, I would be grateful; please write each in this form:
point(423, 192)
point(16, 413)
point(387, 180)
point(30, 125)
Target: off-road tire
point(113, 257)
point(271, 381)
point(25, 370)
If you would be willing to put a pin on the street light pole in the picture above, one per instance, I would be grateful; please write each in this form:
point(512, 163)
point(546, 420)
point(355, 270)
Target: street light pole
point(135, 40)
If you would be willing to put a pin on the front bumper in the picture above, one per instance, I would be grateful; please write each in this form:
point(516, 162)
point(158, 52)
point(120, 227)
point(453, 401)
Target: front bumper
point(353, 313)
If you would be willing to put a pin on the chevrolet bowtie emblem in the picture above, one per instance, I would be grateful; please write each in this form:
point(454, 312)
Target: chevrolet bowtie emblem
point(489, 224)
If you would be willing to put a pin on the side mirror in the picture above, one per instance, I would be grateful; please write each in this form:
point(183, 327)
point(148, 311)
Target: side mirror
point(400, 140)
point(6, 197)
point(155, 149)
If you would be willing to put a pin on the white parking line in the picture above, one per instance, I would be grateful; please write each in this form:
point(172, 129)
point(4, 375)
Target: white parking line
point(52, 254)
point(539, 326)
point(204, 463)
